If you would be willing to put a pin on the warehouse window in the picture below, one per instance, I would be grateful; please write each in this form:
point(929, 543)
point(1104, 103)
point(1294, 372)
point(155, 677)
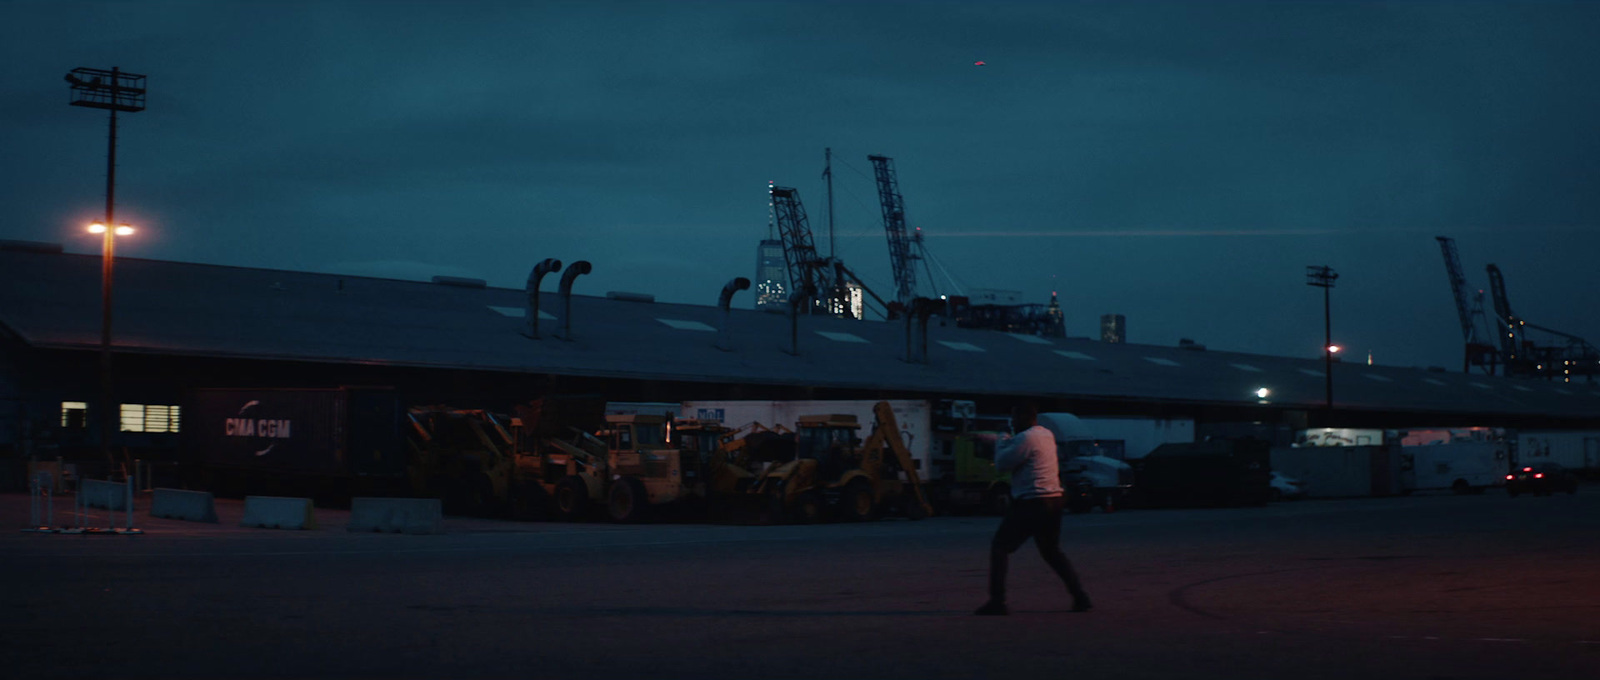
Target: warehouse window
point(74, 414)
point(149, 418)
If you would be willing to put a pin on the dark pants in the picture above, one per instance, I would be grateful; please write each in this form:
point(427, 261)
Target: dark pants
point(1040, 520)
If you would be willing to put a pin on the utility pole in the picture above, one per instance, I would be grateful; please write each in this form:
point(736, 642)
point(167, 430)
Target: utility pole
point(827, 172)
point(113, 91)
point(1323, 277)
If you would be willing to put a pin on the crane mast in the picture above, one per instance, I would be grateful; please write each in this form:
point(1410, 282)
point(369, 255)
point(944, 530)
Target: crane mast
point(1458, 287)
point(901, 257)
point(799, 253)
point(1509, 324)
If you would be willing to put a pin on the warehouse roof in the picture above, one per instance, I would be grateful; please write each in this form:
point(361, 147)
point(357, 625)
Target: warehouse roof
point(52, 300)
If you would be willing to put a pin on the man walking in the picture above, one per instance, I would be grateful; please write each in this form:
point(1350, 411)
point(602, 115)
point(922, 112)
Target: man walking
point(1035, 512)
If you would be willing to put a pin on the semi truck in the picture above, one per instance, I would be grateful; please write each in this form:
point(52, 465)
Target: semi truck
point(1093, 473)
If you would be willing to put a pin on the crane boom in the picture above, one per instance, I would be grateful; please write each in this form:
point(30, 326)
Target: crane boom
point(894, 225)
point(1502, 311)
point(1458, 287)
point(799, 253)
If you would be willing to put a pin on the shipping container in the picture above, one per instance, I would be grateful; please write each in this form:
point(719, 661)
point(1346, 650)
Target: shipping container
point(296, 432)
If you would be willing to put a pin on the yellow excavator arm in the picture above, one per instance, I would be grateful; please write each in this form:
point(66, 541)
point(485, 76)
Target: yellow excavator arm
point(887, 433)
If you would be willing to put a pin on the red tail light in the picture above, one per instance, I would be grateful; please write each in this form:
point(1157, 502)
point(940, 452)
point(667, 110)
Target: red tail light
point(1511, 476)
point(1527, 469)
point(1538, 475)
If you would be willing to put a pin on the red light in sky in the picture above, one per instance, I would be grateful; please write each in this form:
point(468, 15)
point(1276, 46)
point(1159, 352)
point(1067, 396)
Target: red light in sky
point(977, 63)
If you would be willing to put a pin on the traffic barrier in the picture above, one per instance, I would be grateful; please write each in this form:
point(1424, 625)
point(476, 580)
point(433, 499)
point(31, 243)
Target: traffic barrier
point(194, 506)
point(96, 493)
point(112, 496)
point(396, 515)
point(277, 512)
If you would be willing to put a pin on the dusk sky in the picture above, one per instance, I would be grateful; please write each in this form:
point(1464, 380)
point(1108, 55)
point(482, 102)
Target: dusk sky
point(1179, 163)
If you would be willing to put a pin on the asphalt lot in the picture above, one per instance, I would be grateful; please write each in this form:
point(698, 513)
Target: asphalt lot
point(1434, 586)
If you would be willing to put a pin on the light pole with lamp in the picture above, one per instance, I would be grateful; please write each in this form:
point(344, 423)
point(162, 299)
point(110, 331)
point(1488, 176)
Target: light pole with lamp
point(1323, 277)
point(114, 91)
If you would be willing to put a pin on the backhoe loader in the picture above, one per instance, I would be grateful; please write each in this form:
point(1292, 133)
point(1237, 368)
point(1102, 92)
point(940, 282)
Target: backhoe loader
point(834, 470)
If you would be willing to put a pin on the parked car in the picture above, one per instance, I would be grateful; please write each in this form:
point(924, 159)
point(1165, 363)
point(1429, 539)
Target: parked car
point(1286, 488)
point(1542, 479)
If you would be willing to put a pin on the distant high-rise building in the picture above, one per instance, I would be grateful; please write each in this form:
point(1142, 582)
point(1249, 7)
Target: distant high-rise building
point(1113, 328)
point(1055, 320)
point(772, 276)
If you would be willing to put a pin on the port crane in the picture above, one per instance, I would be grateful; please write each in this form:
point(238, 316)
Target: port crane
point(1478, 351)
point(1559, 356)
point(827, 275)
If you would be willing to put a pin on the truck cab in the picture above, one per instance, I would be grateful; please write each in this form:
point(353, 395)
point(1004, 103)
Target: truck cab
point(1090, 475)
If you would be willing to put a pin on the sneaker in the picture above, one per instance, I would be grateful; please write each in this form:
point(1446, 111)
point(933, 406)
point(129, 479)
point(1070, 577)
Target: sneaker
point(992, 608)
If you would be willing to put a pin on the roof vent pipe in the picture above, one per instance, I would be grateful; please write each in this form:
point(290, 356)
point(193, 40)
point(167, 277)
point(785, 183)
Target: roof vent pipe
point(801, 298)
point(922, 308)
point(577, 269)
point(917, 329)
point(549, 265)
point(723, 301)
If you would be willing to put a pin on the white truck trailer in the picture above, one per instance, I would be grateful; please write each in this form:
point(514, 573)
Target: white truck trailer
point(1574, 450)
point(1462, 467)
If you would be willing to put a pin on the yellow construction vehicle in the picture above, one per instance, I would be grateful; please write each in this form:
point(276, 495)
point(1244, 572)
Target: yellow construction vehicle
point(483, 463)
point(731, 462)
point(643, 470)
point(463, 456)
point(545, 461)
point(833, 468)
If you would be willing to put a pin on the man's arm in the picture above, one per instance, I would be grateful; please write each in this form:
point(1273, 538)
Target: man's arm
point(1006, 456)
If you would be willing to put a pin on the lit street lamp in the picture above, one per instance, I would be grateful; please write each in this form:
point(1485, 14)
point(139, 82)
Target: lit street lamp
point(113, 91)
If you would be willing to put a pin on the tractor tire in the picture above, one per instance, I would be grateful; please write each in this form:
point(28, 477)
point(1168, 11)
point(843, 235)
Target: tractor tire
point(1461, 487)
point(571, 499)
point(628, 501)
point(856, 504)
point(807, 508)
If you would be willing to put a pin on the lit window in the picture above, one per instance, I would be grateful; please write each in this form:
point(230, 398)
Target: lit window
point(74, 414)
point(150, 418)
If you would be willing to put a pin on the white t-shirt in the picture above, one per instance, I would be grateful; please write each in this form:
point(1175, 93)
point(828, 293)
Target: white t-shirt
point(1030, 457)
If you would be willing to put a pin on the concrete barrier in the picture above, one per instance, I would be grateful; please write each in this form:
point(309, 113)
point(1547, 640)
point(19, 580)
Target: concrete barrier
point(194, 506)
point(96, 493)
point(396, 515)
point(277, 512)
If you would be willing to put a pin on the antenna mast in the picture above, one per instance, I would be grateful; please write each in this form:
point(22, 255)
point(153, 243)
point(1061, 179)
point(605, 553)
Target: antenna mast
point(827, 171)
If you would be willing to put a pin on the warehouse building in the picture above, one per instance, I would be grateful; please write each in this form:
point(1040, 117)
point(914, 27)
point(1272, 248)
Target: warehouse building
point(179, 327)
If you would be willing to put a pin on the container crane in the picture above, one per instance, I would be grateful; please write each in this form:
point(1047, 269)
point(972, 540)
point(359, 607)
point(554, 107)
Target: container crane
point(1478, 352)
point(806, 268)
point(901, 255)
point(830, 276)
point(1565, 357)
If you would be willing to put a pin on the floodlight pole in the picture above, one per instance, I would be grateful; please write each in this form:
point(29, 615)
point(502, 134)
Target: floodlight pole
point(114, 91)
point(1323, 277)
